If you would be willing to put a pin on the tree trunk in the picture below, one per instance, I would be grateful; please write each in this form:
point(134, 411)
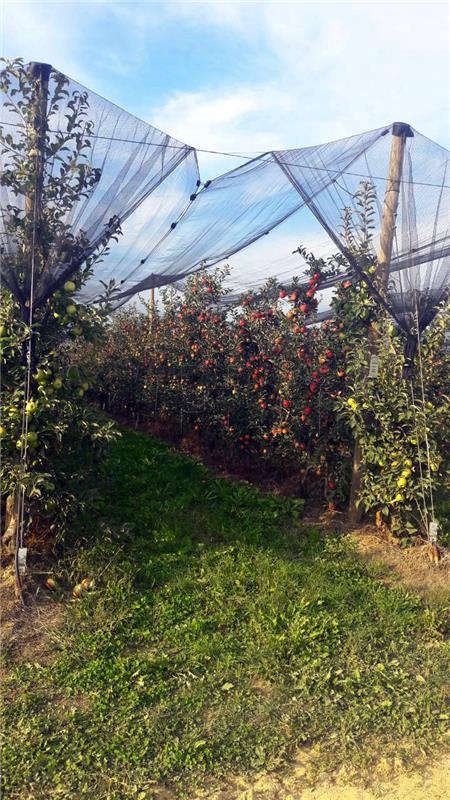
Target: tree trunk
point(11, 522)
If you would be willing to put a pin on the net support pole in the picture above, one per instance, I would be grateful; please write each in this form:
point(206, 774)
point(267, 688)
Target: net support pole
point(151, 303)
point(33, 201)
point(40, 74)
point(400, 132)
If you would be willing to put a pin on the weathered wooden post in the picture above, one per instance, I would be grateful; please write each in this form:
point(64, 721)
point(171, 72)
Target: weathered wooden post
point(37, 140)
point(400, 132)
point(37, 131)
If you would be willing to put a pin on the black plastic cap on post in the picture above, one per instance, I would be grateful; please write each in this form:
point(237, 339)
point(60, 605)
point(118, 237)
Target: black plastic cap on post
point(40, 70)
point(402, 129)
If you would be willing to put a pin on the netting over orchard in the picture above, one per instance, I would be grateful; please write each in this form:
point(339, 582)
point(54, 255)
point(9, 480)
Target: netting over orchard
point(149, 188)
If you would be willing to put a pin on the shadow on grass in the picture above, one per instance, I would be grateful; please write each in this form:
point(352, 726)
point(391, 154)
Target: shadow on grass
point(222, 634)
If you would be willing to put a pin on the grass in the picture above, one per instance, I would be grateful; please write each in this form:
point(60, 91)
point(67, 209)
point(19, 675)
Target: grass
point(221, 635)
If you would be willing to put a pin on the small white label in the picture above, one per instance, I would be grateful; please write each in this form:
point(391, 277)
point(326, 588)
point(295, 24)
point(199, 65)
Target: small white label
point(22, 560)
point(433, 531)
point(374, 365)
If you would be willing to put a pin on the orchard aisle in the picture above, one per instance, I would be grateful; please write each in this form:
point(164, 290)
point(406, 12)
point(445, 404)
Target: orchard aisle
point(218, 634)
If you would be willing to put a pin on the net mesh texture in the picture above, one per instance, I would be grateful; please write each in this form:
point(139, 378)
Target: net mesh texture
point(171, 224)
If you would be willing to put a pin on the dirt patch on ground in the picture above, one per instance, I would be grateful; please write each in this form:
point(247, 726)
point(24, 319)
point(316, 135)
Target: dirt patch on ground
point(415, 568)
point(431, 783)
point(409, 567)
point(26, 631)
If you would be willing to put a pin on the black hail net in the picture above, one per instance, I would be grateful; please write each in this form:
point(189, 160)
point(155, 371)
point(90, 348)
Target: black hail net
point(145, 179)
point(172, 225)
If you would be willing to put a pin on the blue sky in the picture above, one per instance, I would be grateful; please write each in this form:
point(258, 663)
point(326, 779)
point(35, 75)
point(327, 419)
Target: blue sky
point(249, 76)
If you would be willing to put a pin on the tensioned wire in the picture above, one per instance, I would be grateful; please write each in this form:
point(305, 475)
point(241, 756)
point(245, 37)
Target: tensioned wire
point(408, 218)
point(419, 453)
point(427, 444)
point(26, 394)
point(241, 156)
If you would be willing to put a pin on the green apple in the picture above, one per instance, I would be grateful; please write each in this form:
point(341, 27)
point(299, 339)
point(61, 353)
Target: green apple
point(40, 376)
point(32, 438)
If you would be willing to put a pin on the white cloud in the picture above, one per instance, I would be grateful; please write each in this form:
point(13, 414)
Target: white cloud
point(327, 70)
point(316, 71)
point(65, 33)
point(28, 31)
point(239, 120)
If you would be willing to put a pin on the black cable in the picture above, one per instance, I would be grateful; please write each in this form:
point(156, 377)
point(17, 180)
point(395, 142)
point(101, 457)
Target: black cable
point(241, 156)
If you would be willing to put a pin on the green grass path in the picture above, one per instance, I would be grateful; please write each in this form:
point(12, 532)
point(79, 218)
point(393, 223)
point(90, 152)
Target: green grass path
point(221, 636)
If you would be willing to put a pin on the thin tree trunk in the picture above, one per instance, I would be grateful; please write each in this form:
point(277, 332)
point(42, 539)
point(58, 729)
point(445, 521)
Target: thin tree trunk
point(11, 520)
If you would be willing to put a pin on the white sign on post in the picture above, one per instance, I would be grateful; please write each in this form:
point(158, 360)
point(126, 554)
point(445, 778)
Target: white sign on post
point(374, 365)
point(22, 560)
point(433, 531)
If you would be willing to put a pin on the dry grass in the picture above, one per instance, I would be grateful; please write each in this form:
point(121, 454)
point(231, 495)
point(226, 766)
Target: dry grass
point(390, 782)
point(410, 567)
point(26, 633)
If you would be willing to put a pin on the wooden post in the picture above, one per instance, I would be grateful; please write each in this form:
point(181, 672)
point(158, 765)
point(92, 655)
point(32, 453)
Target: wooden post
point(41, 74)
point(33, 201)
point(400, 132)
point(151, 303)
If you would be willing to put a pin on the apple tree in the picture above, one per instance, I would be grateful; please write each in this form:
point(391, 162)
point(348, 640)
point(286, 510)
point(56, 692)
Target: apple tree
point(44, 417)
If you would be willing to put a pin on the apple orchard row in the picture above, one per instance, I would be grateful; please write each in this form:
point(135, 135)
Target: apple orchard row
point(261, 385)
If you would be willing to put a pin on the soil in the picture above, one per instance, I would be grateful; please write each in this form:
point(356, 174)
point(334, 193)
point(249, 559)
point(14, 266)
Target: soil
point(431, 783)
point(26, 631)
point(412, 567)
